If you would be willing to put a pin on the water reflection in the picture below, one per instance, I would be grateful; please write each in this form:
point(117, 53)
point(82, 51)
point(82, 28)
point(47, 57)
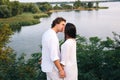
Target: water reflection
point(16, 28)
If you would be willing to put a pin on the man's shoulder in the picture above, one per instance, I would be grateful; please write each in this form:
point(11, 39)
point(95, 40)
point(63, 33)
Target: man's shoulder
point(49, 31)
point(46, 32)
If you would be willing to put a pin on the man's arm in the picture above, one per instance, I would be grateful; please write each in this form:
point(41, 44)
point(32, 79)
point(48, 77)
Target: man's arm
point(60, 68)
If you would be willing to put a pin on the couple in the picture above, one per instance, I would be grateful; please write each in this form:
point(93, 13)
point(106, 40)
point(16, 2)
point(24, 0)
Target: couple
point(59, 65)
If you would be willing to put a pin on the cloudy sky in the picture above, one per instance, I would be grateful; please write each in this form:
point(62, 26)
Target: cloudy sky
point(48, 0)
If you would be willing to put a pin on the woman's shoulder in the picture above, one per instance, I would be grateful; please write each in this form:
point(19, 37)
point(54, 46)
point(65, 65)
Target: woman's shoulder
point(69, 42)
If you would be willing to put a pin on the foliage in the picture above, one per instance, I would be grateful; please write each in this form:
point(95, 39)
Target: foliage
point(37, 16)
point(20, 69)
point(56, 7)
point(45, 6)
point(8, 9)
point(5, 33)
point(5, 52)
point(97, 4)
point(30, 7)
point(13, 67)
point(14, 8)
point(3, 2)
point(5, 12)
point(90, 4)
point(34, 8)
point(22, 20)
point(98, 60)
point(77, 4)
point(64, 6)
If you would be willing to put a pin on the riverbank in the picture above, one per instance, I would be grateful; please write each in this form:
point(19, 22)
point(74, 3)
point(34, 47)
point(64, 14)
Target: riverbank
point(81, 8)
point(27, 19)
point(23, 19)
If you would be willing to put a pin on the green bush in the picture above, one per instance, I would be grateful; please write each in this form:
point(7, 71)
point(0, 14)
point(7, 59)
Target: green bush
point(77, 4)
point(97, 60)
point(5, 12)
point(56, 7)
point(45, 6)
point(90, 5)
point(64, 6)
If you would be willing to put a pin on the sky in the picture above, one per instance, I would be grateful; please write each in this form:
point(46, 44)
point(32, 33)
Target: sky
point(48, 0)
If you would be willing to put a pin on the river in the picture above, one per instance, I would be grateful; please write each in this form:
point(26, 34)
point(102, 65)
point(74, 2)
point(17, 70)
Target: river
point(99, 23)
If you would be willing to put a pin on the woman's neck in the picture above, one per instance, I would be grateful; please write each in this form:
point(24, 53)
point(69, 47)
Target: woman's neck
point(67, 37)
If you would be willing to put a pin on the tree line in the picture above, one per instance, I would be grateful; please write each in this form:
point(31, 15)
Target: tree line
point(9, 9)
point(13, 8)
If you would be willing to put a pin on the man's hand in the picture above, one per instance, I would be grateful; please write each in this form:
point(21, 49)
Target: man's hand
point(62, 74)
point(60, 69)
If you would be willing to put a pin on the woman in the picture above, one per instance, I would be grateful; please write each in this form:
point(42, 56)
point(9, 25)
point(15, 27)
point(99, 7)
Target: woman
point(68, 53)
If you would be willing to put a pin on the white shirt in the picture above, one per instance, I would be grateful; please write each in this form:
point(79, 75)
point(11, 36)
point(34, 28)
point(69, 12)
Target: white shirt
point(50, 50)
point(68, 59)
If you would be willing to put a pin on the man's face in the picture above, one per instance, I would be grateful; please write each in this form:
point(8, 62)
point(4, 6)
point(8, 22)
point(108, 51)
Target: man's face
point(61, 26)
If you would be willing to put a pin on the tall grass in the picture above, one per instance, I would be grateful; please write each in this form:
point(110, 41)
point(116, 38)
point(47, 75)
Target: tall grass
point(23, 19)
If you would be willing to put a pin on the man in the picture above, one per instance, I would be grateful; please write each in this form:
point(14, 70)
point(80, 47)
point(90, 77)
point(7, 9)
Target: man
point(50, 51)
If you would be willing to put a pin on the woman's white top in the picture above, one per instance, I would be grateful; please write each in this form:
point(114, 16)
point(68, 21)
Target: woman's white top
point(68, 59)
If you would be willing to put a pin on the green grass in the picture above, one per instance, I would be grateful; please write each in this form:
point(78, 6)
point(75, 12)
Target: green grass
point(23, 19)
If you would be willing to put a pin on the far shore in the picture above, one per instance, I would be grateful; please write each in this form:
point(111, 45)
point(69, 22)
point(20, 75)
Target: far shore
point(27, 19)
point(51, 11)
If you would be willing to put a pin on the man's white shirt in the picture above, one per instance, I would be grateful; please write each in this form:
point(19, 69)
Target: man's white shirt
point(50, 50)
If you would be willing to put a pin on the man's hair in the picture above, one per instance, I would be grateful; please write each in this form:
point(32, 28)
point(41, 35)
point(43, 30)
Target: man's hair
point(57, 21)
point(70, 30)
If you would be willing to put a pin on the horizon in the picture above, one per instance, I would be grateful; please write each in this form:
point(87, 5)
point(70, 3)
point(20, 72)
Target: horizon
point(51, 0)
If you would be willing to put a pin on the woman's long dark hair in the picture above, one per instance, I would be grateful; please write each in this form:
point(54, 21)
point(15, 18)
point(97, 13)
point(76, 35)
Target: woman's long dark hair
point(70, 31)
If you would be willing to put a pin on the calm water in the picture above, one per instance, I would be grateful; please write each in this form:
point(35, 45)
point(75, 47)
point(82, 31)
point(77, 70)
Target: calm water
point(99, 23)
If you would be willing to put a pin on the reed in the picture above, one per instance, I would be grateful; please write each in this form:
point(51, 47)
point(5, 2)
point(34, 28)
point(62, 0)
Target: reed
point(24, 19)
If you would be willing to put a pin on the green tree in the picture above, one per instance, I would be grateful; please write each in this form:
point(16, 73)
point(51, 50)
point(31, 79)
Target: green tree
point(13, 67)
point(97, 5)
point(90, 4)
point(45, 6)
point(30, 7)
point(97, 59)
point(5, 11)
point(5, 33)
point(33, 8)
point(56, 7)
point(15, 8)
point(64, 6)
point(117, 39)
point(4, 2)
point(6, 58)
point(77, 4)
